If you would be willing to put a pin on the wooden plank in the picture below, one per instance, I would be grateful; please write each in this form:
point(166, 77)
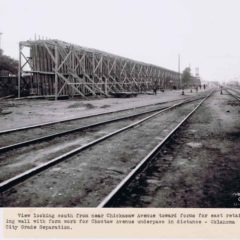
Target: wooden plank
point(99, 71)
point(56, 72)
point(68, 82)
point(49, 51)
point(19, 71)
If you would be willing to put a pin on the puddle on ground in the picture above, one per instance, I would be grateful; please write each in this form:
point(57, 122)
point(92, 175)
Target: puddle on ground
point(192, 130)
point(182, 161)
point(194, 144)
point(159, 138)
point(154, 181)
point(55, 169)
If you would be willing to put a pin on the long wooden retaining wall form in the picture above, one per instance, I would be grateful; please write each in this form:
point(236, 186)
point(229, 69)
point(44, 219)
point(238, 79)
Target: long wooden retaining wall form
point(59, 68)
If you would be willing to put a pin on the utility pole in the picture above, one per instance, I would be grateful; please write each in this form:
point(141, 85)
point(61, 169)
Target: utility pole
point(1, 40)
point(179, 72)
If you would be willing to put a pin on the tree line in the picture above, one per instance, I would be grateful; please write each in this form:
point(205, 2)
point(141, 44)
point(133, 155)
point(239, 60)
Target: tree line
point(8, 64)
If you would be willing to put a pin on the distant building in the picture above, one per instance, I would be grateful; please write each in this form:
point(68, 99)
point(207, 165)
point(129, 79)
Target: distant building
point(234, 83)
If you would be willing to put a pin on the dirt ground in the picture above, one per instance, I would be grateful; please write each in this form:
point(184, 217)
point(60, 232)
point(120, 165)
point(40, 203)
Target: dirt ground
point(199, 167)
point(86, 178)
point(19, 113)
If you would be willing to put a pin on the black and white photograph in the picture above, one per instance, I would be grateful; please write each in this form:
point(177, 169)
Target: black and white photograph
point(119, 104)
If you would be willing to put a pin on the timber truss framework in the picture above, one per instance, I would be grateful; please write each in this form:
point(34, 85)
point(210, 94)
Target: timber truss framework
point(59, 68)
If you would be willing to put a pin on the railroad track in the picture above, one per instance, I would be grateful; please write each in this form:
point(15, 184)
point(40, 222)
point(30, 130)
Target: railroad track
point(18, 178)
point(10, 141)
point(10, 186)
point(115, 194)
point(234, 95)
point(18, 129)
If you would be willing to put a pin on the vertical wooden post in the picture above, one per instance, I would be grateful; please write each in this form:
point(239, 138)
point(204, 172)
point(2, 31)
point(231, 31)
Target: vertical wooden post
point(72, 69)
point(106, 86)
point(41, 76)
point(55, 70)
point(101, 73)
point(93, 73)
point(115, 70)
point(84, 71)
point(39, 85)
point(45, 69)
point(19, 70)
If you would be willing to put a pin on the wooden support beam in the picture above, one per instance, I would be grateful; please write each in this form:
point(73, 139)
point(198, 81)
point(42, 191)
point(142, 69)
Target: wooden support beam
point(49, 51)
point(82, 71)
point(69, 83)
point(56, 72)
point(19, 70)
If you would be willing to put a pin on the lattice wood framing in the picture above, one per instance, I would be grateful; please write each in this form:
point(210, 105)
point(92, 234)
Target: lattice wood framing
point(59, 68)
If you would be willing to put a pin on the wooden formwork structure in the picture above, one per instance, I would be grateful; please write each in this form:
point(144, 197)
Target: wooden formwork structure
point(59, 68)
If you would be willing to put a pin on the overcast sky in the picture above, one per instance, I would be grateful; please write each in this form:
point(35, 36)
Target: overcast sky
point(206, 33)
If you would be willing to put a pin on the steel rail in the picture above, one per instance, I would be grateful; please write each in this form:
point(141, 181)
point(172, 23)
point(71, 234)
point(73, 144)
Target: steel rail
point(237, 91)
point(230, 93)
point(80, 118)
point(5, 185)
point(113, 195)
point(52, 136)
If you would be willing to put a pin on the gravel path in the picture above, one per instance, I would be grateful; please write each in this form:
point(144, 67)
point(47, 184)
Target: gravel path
point(199, 167)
